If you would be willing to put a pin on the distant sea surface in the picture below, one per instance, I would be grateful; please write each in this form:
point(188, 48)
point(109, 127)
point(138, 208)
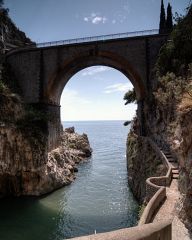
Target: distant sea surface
point(99, 200)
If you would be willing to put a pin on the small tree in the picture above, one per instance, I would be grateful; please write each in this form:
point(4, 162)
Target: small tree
point(176, 54)
point(130, 96)
point(162, 24)
point(169, 21)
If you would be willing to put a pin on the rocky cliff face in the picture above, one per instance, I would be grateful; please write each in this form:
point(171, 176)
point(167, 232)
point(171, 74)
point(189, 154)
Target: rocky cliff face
point(168, 122)
point(10, 35)
point(143, 163)
point(26, 167)
point(182, 146)
point(168, 115)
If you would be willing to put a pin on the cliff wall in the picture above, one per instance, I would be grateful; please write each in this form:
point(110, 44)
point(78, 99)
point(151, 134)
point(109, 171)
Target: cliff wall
point(168, 117)
point(10, 35)
point(26, 166)
point(143, 163)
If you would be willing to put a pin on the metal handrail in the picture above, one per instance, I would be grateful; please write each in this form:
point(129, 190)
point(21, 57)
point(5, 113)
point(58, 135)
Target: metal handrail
point(98, 38)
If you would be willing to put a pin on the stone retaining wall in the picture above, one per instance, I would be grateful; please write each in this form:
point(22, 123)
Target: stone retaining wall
point(152, 206)
point(156, 189)
point(152, 231)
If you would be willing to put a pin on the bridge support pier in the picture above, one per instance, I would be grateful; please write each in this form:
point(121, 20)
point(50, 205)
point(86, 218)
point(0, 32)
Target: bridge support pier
point(54, 126)
point(50, 122)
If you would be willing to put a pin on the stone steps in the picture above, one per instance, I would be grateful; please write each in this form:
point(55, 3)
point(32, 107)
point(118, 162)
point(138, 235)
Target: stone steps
point(174, 165)
point(175, 176)
point(175, 171)
point(171, 160)
point(169, 156)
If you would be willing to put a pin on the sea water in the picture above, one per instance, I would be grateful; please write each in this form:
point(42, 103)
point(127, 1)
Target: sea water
point(99, 200)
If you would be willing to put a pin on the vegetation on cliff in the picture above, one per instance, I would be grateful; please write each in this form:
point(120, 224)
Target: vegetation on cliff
point(173, 94)
point(130, 96)
point(176, 55)
point(166, 23)
point(10, 35)
point(168, 115)
point(172, 113)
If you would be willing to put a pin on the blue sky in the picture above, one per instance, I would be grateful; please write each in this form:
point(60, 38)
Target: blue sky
point(94, 93)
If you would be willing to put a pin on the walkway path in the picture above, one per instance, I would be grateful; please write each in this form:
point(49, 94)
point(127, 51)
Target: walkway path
point(169, 210)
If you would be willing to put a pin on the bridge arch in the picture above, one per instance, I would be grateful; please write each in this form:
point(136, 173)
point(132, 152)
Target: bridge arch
point(69, 68)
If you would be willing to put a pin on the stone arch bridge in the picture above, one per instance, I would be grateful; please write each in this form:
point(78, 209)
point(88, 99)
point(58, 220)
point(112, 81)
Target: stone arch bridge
point(43, 70)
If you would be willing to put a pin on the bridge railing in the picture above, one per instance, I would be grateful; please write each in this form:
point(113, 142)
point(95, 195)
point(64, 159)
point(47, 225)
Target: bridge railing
point(98, 38)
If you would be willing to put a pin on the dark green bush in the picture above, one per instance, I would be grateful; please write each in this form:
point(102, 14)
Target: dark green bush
point(176, 55)
point(130, 96)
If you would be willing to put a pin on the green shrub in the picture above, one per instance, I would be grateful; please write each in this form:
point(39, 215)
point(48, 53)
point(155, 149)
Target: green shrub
point(176, 54)
point(130, 96)
point(170, 89)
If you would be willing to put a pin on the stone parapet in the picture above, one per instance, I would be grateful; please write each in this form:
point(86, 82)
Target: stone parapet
point(153, 184)
point(156, 189)
point(152, 231)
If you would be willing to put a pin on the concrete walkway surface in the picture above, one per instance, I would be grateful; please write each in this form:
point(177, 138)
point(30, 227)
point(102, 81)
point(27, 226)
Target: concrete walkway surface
point(169, 211)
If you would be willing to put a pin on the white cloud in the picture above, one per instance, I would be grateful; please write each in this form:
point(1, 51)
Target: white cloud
point(99, 110)
point(71, 102)
point(75, 106)
point(94, 70)
point(70, 96)
point(119, 87)
point(113, 21)
point(86, 19)
point(95, 18)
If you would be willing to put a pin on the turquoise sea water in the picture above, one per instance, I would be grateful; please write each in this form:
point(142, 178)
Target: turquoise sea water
point(99, 199)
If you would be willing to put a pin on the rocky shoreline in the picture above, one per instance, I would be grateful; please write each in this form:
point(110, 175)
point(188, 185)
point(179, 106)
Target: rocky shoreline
point(74, 148)
point(27, 169)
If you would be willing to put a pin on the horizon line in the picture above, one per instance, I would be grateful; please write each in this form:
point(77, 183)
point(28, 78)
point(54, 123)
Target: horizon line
point(89, 120)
